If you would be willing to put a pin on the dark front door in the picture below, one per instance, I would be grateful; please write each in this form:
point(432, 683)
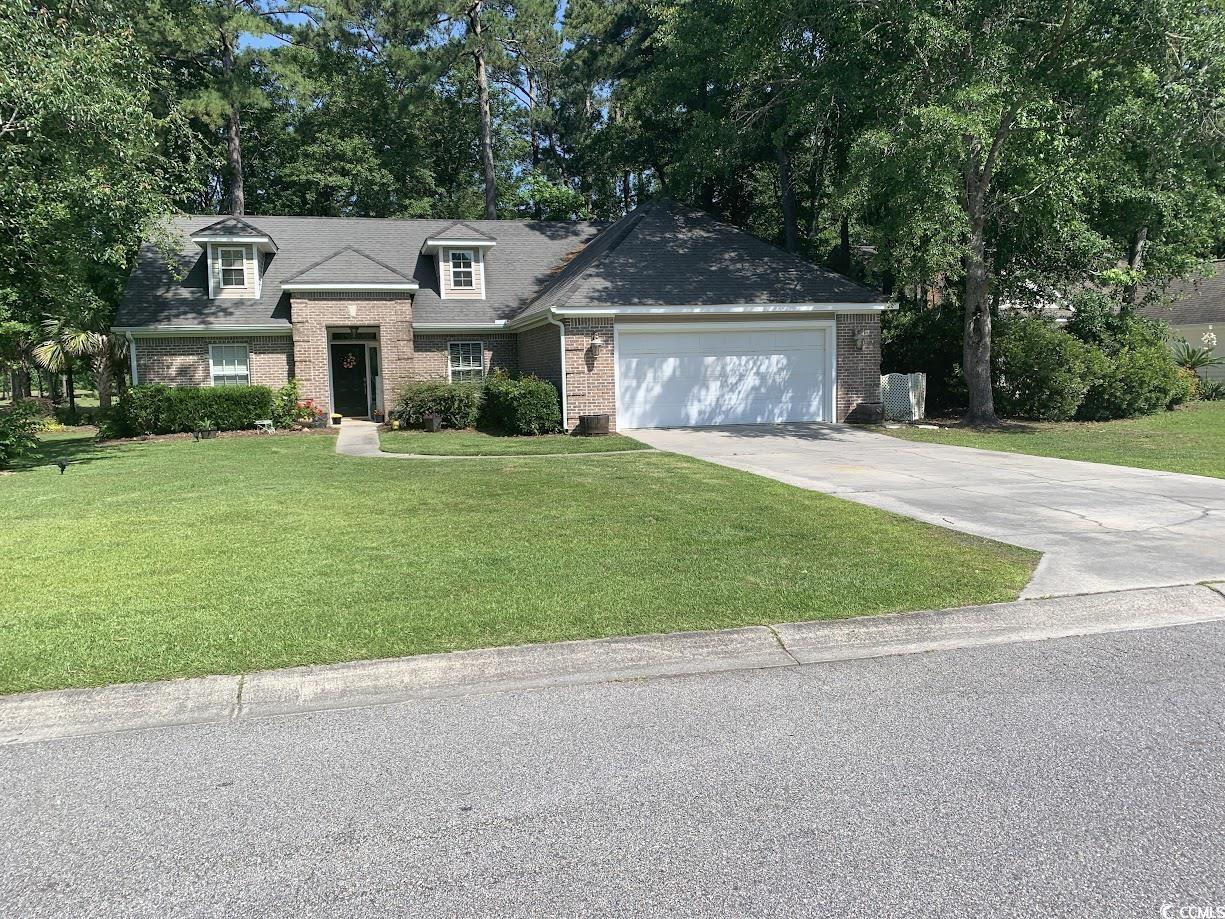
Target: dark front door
point(349, 389)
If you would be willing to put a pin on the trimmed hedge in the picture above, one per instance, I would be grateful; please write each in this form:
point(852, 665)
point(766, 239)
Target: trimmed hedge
point(520, 405)
point(458, 404)
point(153, 408)
point(504, 403)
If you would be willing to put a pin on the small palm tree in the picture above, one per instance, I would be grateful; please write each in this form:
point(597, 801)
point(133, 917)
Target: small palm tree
point(1195, 359)
point(64, 345)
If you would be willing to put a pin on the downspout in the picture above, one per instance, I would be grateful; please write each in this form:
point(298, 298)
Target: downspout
point(561, 327)
point(132, 355)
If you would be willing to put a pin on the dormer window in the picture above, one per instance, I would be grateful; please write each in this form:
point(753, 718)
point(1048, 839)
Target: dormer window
point(462, 274)
point(233, 266)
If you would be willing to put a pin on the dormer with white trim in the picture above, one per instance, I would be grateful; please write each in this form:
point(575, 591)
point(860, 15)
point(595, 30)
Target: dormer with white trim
point(459, 257)
point(236, 254)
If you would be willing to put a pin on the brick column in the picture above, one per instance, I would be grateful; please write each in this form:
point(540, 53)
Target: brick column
point(314, 313)
point(858, 366)
point(590, 378)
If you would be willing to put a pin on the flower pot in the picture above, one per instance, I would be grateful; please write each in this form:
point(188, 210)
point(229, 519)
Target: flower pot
point(378, 417)
point(337, 419)
point(205, 434)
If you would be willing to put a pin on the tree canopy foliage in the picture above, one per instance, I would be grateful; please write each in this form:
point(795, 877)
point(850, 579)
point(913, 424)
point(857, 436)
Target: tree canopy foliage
point(983, 152)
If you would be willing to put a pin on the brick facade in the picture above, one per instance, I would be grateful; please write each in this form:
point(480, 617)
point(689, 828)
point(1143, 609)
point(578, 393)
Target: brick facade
point(590, 378)
point(432, 356)
point(591, 387)
point(314, 313)
point(540, 353)
point(184, 361)
point(858, 364)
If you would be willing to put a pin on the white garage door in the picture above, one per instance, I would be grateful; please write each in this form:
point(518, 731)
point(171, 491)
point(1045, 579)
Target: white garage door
point(723, 373)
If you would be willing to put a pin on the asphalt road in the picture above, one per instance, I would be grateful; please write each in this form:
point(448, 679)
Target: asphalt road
point(1076, 777)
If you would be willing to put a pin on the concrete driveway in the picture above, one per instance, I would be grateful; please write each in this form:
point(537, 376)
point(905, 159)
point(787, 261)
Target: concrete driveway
point(1101, 527)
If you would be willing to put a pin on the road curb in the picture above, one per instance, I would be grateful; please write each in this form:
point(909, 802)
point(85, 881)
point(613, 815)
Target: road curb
point(32, 717)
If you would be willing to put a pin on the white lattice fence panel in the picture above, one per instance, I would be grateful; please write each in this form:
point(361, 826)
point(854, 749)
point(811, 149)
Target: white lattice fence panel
point(903, 396)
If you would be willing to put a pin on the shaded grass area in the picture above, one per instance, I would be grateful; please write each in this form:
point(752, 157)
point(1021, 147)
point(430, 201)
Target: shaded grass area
point(1190, 439)
point(162, 559)
point(475, 443)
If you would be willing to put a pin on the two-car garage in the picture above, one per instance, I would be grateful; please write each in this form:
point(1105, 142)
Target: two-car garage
point(715, 373)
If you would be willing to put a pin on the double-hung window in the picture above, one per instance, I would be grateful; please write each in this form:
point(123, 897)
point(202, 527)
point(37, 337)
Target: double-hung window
point(233, 260)
point(463, 277)
point(467, 361)
point(230, 365)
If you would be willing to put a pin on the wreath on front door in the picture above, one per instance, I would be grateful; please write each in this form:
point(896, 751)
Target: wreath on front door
point(349, 362)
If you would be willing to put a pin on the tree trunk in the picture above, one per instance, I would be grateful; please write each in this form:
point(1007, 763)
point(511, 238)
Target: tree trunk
point(786, 200)
point(844, 244)
point(1135, 261)
point(102, 379)
point(70, 387)
point(482, 98)
point(233, 132)
point(976, 347)
point(21, 383)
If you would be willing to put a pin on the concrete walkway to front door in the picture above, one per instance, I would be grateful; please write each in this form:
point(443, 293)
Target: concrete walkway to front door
point(1101, 527)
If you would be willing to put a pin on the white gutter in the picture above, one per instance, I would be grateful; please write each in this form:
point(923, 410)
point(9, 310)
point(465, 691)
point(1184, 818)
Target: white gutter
point(723, 309)
point(264, 243)
point(431, 246)
point(132, 356)
point(561, 327)
point(153, 331)
point(407, 285)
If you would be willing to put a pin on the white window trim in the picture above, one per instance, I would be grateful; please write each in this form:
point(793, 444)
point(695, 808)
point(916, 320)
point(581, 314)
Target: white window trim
point(212, 361)
point(480, 346)
point(221, 267)
point(471, 269)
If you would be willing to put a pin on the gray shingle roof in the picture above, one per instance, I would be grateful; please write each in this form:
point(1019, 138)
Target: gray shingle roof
point(659, 254)
point(348, 266)
point(461, 230)
point(1195, 302)
point(523, 260)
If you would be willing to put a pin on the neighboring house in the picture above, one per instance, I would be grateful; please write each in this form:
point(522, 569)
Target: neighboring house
point(664, 318)
point(1195, 310)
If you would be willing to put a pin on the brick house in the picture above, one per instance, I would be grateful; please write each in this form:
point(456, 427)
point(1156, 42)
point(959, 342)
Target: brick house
point(663, 318)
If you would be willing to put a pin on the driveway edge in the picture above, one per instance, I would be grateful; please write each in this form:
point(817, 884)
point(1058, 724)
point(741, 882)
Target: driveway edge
point(33, 717)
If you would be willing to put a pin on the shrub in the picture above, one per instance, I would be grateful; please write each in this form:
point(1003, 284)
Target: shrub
point(918, 338)
point(156, 409)
point(459, 404)
point(1043, 372)
point(1135, 381)
point(288, 408)
point(520, 405)
point(1212, 390)
point(19, 427)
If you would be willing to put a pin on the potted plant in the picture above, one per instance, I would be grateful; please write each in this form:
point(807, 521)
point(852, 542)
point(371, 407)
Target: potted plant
point(337, 418)
point(378, 416)
point(205, 430)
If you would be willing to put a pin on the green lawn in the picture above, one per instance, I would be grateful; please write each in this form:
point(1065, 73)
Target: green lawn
point(171, 558)
point(473, 443)
point(1190, 439)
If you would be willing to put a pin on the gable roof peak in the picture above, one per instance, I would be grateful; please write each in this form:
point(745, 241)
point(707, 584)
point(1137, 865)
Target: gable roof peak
point(233, 228)
point(460, 230)
point(348, 266)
